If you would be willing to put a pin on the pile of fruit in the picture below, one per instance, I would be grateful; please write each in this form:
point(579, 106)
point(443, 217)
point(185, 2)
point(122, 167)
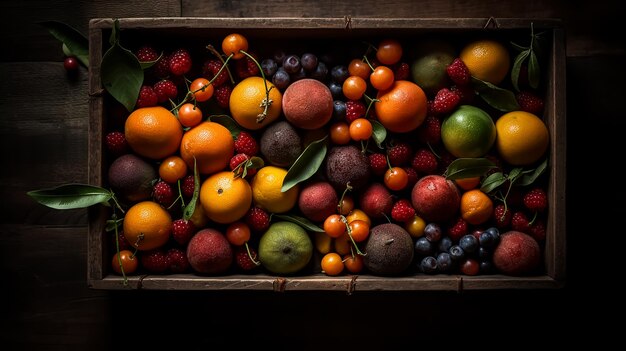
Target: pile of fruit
point(387, 158)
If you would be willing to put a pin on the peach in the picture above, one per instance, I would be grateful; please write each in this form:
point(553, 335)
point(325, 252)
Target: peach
point(308, 104)
point(517, 253)
point(317, 201)
point(435, 198)
point(209, 252)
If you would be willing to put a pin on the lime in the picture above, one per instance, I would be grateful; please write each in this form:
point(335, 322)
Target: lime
point(468, 132)
point(285, 248)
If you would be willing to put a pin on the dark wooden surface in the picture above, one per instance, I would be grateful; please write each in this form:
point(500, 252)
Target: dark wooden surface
point(44, 300)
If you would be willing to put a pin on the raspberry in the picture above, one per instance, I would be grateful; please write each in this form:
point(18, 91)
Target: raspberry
point(399, 154)
point(519, 222)
point(146, 54)
point(430, 131)
point(210, 69)
point(243, 260)
point(222, 95)
point(536, 200)
point(258, 219)
point(155, 261)
point(180, 62)
point(354, 109)
point(401, 71)
point(147, 97)
point(162, 67)
point(246, 67)
point(177, 260)
point(445, 101)
point(378, 163)
point(530, 102)
point(412, 175)
point(246, 144)
point(424, 162)
point(465, 92)
point(182, 231)
point(165, 90)
point(402, 211)
point(458, 72)
point(538, 230)
point(116, 143)
point(457, 229)
point(237, 160)
point(187, 186)
point(501, 217)
point(163, 193)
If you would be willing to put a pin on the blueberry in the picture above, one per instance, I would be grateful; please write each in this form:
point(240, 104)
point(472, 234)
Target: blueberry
point(339, 110)
point(269, 67)
point(291, 64)
point(336, 90)
point(281, 79)
point(308, 61)
point(486, 240)
point(339, 73)
point(484, 253)
point(486, 267)
point(432, 232)
point(444, 262)
point(423, 247)
point(444, 244)
point(495, 233)
point(468, 243)
point(320, 72)
point(456, 253)
point(428, 265)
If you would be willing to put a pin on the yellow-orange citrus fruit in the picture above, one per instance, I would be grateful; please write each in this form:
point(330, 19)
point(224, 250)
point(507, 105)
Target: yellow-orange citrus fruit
point(147, 225)
point(225, 198)
point(476, 207)
point(266, 190)
point(153, 132)
point(401, 108)
point(211, 144)
point(486, 60)
point(246, 102)
point(467, 183)
point(522, 138)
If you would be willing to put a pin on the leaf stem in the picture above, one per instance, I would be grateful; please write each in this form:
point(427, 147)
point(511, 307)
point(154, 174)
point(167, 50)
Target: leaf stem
point(267, 102)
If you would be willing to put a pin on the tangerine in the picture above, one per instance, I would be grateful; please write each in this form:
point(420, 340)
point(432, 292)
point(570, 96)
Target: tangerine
point(246, 103)
point(211, 144)
point(401, 108)
point(147, 225)
point(225, 198)
point(522, 138)
point(153, 132)
point(476, 207)
point(486, 60)
point(266, 190)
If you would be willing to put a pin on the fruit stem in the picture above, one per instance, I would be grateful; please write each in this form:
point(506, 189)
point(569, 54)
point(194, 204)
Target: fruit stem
point(368, 62)
point(117, 204)
point(349, 231)
point(256, 263)
point(217, 54)
point(267, 102)
point(369, 104)
point(345, 191)
point(180, 195)
point(117, 249)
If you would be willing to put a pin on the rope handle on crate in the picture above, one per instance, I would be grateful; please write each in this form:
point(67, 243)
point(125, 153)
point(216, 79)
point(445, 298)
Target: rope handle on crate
point(493, 22)
point(348, 22)
point(279, 284)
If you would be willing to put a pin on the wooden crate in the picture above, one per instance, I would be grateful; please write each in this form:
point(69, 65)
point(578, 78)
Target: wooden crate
point(298, 30)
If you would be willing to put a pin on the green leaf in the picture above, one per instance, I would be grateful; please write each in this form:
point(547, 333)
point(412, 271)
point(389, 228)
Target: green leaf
point(76, 43)
point(112, 223)
point(301, 221)
point(122, 75)
point(306, 164)
point(518, 47)
point(468, 167)
point(147, 64)
point(514, 174)
point(379, 133)
point(191, 206)
point(534, 72)
point(492, 182)
point(530, 178)
point(498, 98)
point(71, 196)
point(517, 66)
point(227, 122)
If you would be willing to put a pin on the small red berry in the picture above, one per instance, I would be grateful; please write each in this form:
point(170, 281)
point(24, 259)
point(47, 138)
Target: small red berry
point(70, 64)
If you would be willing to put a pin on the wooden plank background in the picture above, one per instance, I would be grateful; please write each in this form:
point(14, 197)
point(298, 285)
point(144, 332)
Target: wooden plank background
point(44, 300)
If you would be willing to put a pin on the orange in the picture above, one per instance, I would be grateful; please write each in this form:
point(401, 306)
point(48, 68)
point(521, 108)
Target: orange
point(211, 144)
point(476, 207)
point(266, 190)
point(147, 225)
point(468, 132)
point(246, 102)
point(401, 108)
point(486, 60)
point(224, 197)
point(522, 138)
point(153, 132)
point(467, 183)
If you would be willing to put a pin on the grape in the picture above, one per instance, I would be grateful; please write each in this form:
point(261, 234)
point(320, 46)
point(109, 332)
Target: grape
point(281, 79)
point(298, 75)
point(269, 67)
point(339, 73)
point(336, 90)
point(291, 64)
